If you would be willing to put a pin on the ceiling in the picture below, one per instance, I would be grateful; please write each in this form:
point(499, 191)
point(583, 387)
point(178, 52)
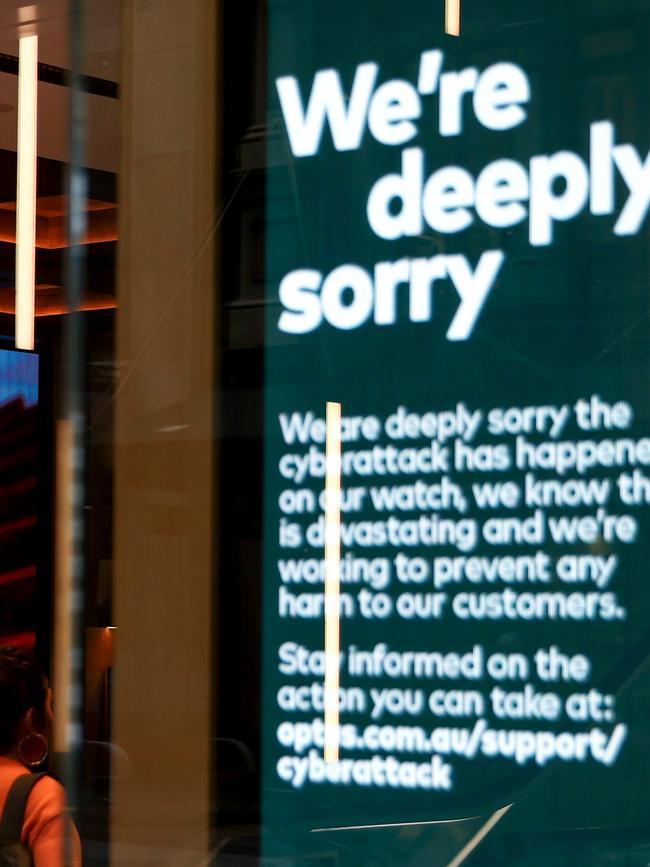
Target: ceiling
point(101, 32)
point(50, 20)
point(102, 60)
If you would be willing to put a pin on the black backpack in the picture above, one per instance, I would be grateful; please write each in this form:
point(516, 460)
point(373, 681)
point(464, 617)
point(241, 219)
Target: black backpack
point(14, 853)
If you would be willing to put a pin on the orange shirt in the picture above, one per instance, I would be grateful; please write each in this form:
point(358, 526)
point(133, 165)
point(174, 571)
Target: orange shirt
point(45, 817)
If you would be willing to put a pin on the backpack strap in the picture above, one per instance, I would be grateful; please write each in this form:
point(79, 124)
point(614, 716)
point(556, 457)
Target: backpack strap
point(13, 815)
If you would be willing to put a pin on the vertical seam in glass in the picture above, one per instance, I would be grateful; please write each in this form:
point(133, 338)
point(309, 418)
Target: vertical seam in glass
point(482, 832)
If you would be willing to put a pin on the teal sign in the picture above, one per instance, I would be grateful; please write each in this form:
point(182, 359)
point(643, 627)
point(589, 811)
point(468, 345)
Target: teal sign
point(457, 253)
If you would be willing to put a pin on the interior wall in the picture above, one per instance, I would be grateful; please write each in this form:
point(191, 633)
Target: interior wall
point(164, 474)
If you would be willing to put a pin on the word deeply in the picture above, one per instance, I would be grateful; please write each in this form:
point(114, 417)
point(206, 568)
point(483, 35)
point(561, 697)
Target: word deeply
point(547, 189)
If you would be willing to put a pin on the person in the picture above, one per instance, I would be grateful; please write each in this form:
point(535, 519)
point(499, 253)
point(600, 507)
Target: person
point(25, 725)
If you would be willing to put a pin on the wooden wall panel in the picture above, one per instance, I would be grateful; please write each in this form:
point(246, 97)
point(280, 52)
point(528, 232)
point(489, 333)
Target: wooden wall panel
point(164, 473)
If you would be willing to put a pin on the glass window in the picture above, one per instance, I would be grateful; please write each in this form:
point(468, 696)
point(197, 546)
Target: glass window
point(324, 425)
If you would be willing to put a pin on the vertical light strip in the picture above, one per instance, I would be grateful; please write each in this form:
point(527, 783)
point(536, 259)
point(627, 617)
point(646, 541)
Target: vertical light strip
point(452, 17)
point(26, 190)
point(332, 580)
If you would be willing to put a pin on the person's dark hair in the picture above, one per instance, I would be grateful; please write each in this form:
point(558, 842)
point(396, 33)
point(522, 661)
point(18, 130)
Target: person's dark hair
point(22, 686)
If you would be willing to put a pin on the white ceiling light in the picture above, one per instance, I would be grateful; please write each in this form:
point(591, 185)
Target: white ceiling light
point(26, 191)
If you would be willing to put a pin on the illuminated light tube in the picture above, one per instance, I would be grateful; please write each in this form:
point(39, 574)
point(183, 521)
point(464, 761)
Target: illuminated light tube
point(332, 580)
point(452, 17)
point(26, 191)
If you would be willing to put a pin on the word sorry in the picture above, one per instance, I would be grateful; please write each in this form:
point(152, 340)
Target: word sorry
point(547, 189)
